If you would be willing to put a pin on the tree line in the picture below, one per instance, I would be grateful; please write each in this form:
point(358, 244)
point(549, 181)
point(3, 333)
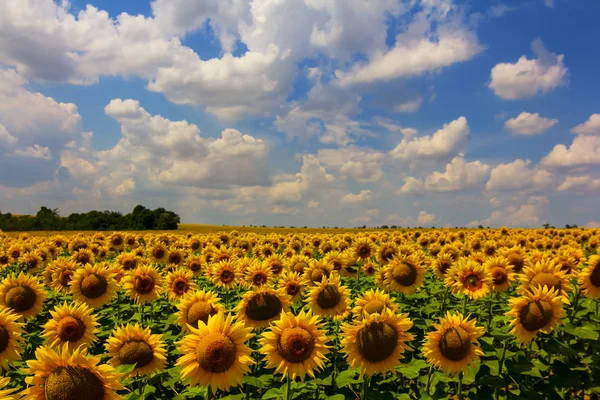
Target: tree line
point(141, 218)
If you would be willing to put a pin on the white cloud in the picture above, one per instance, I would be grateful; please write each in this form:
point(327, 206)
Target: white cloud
point(516, 176)
point(584, 150)
point(529, 124)
point(423, 219)
point(312, 204)
point(409, 106)
point(521, 215)
point(442, 143)
point(364, 219)
point(526, 78)
point(589, 127)
point(579, 184)
point(458, 175)
point(361, 164)
point(351, 198)
point(6, 139)
point(35, 151)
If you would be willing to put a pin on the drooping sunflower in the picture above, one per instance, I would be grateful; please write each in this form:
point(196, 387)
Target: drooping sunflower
point(453, 346)
point(62, 271)
point(11, 339)
point(375, 344)
point(143, 284)
point(404, 274)
point(130, 344)
point(442, 264)
point(23, 294)
point(69, 375)
point(469, 278)
point(372, 301)
point(94, 285)
point(293, 284)
point(71, 324)
point(545, 273)
point(363, 248)
point(501, 271)
point(258, 274)
point(178, 283)
point(589, 278)
point(329, 298)
point(7, 394)
point(198, 306)
point(215, 354)
point(225, 274)
point(261, 306)
point(295, 345)
point(537, 310)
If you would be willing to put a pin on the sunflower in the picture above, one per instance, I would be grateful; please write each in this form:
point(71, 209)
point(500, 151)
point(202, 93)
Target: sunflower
point(293, 285)
point(11, 339)
point(386, 252)
point(369, 268)
point(83, 256)
point(117, 241)
point(258, 274)
point(73, 325)
point(159, 253)
point(194, 264)
point(7, 394)
point(176, 257)
point(589, 278)
point(275, 262)
point(23, 294)
point(404, 274)
point(566, 261)
point(31, 261)
point(143, 284)
point(537, 310)
point(453, 346)
point(469, 278)
point(15, 252)
point(375, 344)
point(307, 252)
point(501, 271)
point(261, 306)
point(94, 285)
point(4, 259)
point(545, 273)
point(372, 301)
point(130, 344)
point(198, 306)
point(295, 345)
point(62, 271)
point(178, 283)
point(442, 264)
point(66, 375)
point(516, 257)
point(328, 298)
point(316, 272)
point(128, 261)
point(215, 354)
point(225, 274)
point(363, 248)
point(222, 254)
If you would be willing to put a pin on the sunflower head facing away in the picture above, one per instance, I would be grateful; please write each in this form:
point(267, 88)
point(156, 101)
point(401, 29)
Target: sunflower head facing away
point(373, 301)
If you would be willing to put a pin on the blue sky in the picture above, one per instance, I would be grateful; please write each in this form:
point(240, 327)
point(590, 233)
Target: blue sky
point(304, 112)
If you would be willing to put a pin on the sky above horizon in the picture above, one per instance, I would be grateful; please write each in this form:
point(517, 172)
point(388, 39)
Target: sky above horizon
point(304, 112)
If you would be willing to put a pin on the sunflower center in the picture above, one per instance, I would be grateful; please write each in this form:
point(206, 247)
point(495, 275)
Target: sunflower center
point(143, 284)
point(276, 268)
point(318, 274)
point(337, 265)
point(263, 306)
point(328, 297)
point(545, 279)
point(377, 341)
point(65, 277)
point(292, 289)
point(259, 279)
point(536, 315)
point(216, 352)
point(4, 260)
point(404, 274)
point(268, 253)
point(4, 338)
point(499, 275)
point(226, 276)
point(364, 251)
point(195, 245)
point(374, 306)
point(472, 282)
point(595, 276)
point(200, 311)
point(117, 241)
point(387, 254)
point(83, 258)
point(158, 253)
point(136, 352)
point(295, 345)
point(180, 286)
point(370, 269)
point(299, 267)
point(195, 266)
point(444, 265)
point(93, 286)
point(455, 343)
point(128, 264)
point(174, 258)
point(516, 261)
point(20, 298)
point(73, 382)
point(70, 329)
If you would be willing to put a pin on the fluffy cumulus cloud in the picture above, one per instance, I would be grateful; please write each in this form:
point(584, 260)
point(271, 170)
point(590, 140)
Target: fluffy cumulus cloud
point(459, 175)
point(529, 124)
point(422, 219)
point(583, 183)
point(583, 151)
point(528, 77)
point(361, 164)
point(518, 176)
point(351, 198)
point(589, 127)
point(529, 213)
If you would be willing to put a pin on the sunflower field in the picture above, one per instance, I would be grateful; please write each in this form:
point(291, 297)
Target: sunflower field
point(384, 314)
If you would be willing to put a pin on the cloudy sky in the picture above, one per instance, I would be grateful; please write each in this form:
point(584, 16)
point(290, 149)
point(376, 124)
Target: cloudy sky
point(304, 112)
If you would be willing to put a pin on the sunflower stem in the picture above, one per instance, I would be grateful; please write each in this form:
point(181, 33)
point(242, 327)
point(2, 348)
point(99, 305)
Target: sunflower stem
point(357, 283)
point(464, 308)
point(365, 387)
point(500, 366)
point(288, 393)
point(429, 380)
point(489, 322)
point(118, 306)
point(444, 301)
point(459, 393)
point(575, 305)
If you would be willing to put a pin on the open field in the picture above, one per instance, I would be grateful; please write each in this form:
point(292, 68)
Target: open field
point(263, 313)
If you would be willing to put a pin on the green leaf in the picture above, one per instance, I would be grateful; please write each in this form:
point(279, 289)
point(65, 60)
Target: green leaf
point(148, 390)
point(519, 366)
point(125, 368)
point(336, 397)
point(412, 369)
point(255, 382)
point(273, 393)
point(238, 396)
point(585, 331)
point(346, 378)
